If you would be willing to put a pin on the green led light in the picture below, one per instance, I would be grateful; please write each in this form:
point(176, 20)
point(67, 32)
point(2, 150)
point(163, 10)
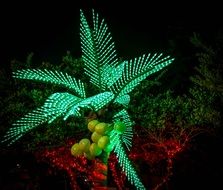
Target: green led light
point(126, 165)
point(136, 71)
point(56, 105)
point(123, 100)
point(124, 117)
point(98, 101)
point(54, 77)
point(98, 52)
point(128, 134)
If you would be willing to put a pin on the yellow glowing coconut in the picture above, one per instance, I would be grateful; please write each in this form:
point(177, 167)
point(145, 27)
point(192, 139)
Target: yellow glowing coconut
point(84, 145)
point(103, 142)
point(92, 124)
point(95, 137)
point(101, 128)
point(95, 150)
point(75, 150)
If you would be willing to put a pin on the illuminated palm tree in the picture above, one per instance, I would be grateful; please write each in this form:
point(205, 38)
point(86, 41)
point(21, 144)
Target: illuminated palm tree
point(115, 80)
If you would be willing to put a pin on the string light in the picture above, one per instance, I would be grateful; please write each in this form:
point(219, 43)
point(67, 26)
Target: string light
point(145, 149)
point(119, 177)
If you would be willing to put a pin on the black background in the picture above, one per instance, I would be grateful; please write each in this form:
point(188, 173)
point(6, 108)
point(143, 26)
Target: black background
point(49, 29)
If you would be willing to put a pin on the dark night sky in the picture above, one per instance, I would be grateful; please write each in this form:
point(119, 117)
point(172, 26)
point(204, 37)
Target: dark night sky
point(49, 30)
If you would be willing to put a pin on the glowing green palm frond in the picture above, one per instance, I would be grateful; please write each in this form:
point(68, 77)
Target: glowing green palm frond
point(100, 100)
point(123, 100)
point(54, 77)
point(56, 105)
point(98, 52)
point(128, 134)
point(137, 70)
point(111, 74)
point(95, 103)
point(23, 125)
point(126, 165)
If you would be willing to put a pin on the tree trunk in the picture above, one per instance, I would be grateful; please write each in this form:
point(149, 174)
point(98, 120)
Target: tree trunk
point(100, 173)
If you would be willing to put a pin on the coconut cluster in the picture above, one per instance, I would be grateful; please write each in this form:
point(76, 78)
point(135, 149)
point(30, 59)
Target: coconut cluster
point(99, 141)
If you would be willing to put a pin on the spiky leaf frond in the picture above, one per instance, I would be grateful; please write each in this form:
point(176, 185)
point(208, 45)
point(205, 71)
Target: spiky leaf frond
point(53, 77)
point(123, 100)
point(126, 165)
point(56, 105)
point(110, 74)
point(95, 103)
point(128, 134)
point(124, 117)
point(137, 70)
point(98, 51)
point(100, 100)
